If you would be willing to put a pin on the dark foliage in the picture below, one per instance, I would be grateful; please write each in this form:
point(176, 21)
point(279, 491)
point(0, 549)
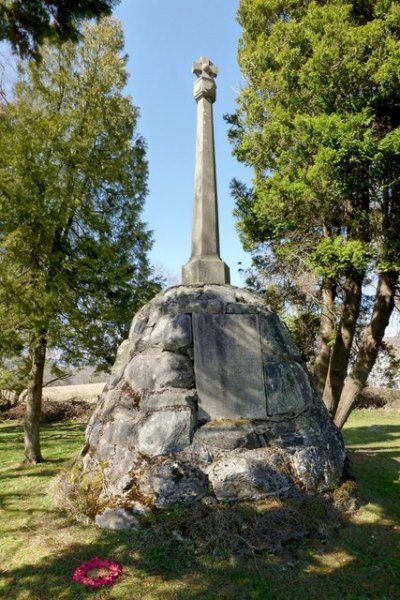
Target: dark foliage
point(26, 23)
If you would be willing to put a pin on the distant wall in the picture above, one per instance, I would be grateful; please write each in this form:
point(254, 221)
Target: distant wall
point(88, 392)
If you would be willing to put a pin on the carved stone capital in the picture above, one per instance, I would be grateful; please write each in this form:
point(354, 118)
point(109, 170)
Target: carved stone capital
point(204, 86)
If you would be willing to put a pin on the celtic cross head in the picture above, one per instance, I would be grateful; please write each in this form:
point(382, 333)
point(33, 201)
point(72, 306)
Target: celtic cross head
point(203, 67)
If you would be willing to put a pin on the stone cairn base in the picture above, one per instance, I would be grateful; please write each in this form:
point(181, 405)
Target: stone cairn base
point(208, 398)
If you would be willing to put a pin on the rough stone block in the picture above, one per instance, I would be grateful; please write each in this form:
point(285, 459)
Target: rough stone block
point(239, 308)
point(243, 295)
point(172, 332)
point(122, 359)
point(174, 370)
point(154, 369)
point(316, 468)
point(287, 387)
point(221, 436)
point(228, 366)
point(225, 293)
point(276, 340)
point(170, 397)
point(139, 321)
point(250, 475)
point(164, 431)
point(116, 518)
point(172, 482)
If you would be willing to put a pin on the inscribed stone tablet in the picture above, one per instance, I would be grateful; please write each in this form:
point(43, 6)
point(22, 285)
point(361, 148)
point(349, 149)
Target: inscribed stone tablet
point(228, 366)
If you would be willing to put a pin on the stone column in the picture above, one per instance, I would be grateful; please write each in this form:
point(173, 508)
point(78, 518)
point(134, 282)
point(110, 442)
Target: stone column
point(205, 264)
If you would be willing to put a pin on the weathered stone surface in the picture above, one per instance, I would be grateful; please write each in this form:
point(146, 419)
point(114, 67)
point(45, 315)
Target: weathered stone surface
point(287, 387)
point(239, 308)
point(123, 356)
point(225, 293)
point(140, 321)
point(156, 369)
point(116, 518)
point(317, 468)
point(165, 431)
point(170, 397)
point(109, 436)
point(172, 333)
point(174, 482)
point(220, 436)
point(250, 475)
point(275, 339)
point(243, 295)
point(174, 370)
point(227, 358)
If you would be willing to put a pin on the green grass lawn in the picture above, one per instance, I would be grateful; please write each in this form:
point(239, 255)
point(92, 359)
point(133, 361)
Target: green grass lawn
point(40, 548)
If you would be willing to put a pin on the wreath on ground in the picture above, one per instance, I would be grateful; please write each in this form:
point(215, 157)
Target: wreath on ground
point(81, 573)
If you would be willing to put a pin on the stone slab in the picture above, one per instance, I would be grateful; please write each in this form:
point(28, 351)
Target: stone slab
point(228, 366)
point(288, 389)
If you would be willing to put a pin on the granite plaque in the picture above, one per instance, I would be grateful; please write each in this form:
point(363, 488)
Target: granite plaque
point(228, 366)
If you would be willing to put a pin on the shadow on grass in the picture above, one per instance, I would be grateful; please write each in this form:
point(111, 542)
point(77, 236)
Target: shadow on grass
point(375, 466)
point(374, 433)
point(166, 560)
point(358, 562)
point(163, 568)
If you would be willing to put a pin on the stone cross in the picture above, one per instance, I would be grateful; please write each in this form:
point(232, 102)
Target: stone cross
point(205, 264)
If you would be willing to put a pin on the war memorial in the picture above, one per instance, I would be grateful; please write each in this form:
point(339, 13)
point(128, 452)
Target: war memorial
point(208, 397)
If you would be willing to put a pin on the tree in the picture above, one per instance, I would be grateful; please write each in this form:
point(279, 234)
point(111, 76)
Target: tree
point(73, 249)
point(27, 23)
point(318, 120)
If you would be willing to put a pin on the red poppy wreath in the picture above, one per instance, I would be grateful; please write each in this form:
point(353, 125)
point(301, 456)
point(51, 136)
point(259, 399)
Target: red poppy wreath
point(81, 573)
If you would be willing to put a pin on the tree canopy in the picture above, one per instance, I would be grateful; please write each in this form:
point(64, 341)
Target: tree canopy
point(27, 23)
point(318, 120)
point(73, 173)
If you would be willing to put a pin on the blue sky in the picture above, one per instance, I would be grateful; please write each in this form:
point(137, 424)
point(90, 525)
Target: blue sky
point(162, 41)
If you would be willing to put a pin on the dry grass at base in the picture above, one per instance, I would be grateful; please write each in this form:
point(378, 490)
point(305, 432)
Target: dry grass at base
point(184, 554)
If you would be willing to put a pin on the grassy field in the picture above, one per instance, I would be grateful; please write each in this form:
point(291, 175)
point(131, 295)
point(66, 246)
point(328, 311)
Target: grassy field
point(40, 548)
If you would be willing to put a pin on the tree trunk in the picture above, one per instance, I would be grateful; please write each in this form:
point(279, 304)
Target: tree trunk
point(327, 329)
point(34, 402)
point(340, 355)
point(370, 344)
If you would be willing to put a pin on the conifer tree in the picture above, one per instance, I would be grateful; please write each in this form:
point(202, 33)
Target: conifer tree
point(319, 121)
point(26, 24)
point(73, 173)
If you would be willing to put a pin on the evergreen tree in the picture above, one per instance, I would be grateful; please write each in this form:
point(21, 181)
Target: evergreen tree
point(318, 120)
point(73, 248)
point(27, 23)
